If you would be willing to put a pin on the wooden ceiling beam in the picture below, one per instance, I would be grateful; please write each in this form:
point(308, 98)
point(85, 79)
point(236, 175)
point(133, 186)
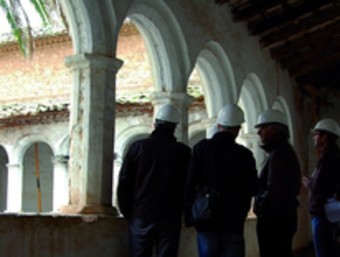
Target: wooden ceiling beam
point(288, 16)
point(312, 39)
point(325, 80)
point(296, 29)
point(303, 70)
point(253, 9)
point(328, 75)
point(311, 54)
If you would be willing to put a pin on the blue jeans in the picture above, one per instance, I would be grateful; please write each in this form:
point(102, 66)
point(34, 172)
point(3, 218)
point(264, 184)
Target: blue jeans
point(323, 237)
point(220, 244)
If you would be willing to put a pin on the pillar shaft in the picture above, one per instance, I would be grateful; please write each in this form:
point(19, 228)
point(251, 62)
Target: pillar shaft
point(14, 188)
point(91, 133)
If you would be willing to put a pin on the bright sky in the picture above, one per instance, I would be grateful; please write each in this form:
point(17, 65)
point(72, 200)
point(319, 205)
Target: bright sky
point(32, 15)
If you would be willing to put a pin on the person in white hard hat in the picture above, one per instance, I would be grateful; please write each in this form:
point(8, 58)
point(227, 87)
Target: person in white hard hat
point(221, 165)
point(322, 185)
point(151, 188)
point(280, 178)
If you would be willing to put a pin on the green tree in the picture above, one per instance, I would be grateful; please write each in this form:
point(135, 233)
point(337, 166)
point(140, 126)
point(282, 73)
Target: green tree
point(21, 29)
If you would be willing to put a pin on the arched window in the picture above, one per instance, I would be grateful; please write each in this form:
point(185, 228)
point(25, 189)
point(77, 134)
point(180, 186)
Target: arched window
point(37, 194)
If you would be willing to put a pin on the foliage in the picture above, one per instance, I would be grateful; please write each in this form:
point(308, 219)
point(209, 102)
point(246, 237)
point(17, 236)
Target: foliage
point(17, 17)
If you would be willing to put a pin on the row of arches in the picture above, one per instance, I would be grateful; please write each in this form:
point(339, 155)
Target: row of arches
point(227, 72)
point(33, 174)
point(19, 162)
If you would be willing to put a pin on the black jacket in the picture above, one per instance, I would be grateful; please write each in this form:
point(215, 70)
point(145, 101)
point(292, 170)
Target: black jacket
point(231, 169)
point(152, 177)
point(325, 179)
point(280, 181)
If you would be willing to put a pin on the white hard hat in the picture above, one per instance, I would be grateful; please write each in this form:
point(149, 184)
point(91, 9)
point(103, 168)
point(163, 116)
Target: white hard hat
point(328, 125)
point(271, 116)
point(168, 113)
point(230, 115)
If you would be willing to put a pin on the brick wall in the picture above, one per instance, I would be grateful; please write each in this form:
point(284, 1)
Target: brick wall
point(45, 76)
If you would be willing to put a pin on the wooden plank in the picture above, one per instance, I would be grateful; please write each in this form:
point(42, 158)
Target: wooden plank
point(311, 53)
point(314, 38)
point(253, 9)
point(295, 29)
point(327, 76)
point(327, 59)
point(287, 16)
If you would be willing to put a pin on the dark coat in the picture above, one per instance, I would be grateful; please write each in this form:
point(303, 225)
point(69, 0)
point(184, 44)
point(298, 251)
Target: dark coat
point(280, 182)
point(230, 168)
point(324, 180)
point(152, 177)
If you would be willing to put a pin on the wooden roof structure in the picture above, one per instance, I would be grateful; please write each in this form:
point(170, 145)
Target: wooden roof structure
point(303, 36)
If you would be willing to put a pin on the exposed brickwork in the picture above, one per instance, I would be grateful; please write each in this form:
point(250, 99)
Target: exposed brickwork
point(45, 76)
point(45, 79)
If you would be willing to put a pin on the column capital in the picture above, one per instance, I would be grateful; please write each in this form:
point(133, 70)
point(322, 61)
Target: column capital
point(13, 165)
point(60, 159)
point(86, 61)
point(177, 98)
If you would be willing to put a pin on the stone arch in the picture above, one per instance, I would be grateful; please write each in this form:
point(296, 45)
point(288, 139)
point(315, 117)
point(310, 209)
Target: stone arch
point(196, 137)
point(60, 173)
point(252, 100)
point(216, 70)
point(165, 44)
point(26, 141)
point(63, 146)
point(92, 25)
point(281, 104)
point(16, 181)
point(37, 157)
point(94, 28)
point(129, 135)
point(124, 140)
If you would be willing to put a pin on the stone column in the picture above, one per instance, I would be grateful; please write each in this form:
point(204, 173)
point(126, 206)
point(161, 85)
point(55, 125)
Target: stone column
point(182, 101)
point(14, 188)
point(210, 125)
point(92, 133)
point(60, 181)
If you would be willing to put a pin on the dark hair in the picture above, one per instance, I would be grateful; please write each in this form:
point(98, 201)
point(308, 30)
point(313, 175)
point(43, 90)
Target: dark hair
point(165, 125)
point(283, 129)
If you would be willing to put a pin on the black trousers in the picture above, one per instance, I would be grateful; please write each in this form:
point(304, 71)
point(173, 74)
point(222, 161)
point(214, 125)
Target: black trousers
point(275, 236)
point(161, 237)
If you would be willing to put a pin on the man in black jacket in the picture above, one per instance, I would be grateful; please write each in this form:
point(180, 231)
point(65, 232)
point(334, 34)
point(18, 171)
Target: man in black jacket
point(280, 178)
point(322, 185)
point(151, 188)
point(229, 169)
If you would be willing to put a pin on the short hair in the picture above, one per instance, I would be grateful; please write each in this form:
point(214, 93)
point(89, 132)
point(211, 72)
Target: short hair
point(161, 124)
point(284, 130)
point(229, 127)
